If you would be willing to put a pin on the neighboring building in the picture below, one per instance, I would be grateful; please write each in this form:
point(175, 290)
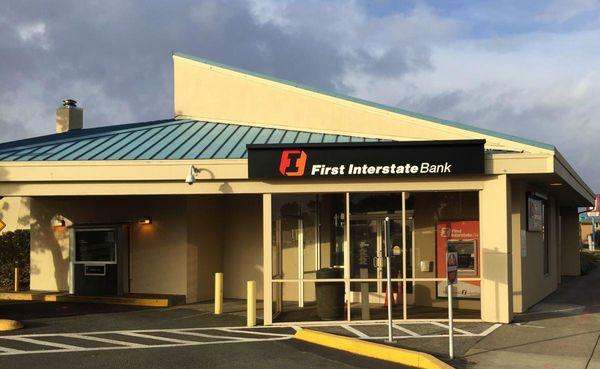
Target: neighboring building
point(115, 210)
point(585, 232)
point(588, 221)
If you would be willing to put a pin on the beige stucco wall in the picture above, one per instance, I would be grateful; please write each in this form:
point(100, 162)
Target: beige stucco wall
point(518, 218)
point(14, 212)
point(242, 249)
point(188, 241)
point(496, 247)
point(213, 93)
point(530, 282)
point(49, 269)
point(205, 216)
point(159, 250)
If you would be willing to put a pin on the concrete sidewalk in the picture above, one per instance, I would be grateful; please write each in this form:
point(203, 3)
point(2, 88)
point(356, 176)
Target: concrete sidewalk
point(560, 332)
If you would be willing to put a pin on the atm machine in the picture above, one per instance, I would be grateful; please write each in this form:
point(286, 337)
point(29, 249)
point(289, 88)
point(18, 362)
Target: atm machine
point(99, 260)
point(461, 237)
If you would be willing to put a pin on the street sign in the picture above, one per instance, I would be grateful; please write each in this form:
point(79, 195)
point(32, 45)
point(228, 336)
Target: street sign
point(2, 225)
point(452, 278)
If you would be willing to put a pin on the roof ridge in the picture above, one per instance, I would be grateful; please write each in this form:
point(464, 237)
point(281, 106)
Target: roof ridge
point(373, 104)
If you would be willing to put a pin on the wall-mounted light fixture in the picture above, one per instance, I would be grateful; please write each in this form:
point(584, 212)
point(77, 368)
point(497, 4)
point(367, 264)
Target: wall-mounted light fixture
point(145, 220)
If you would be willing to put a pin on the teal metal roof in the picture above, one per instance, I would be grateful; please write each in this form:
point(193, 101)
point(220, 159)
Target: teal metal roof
point(392, 109)
point(159, 140)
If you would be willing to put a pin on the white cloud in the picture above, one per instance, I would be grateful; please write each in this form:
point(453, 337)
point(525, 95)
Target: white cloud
point(542, 86)
point(34, 33)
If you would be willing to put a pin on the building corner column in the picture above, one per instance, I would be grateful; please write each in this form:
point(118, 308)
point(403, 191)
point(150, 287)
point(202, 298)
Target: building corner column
point(496, 250)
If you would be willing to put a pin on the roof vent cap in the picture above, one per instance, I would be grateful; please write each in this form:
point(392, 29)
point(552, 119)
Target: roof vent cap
point(70, 103)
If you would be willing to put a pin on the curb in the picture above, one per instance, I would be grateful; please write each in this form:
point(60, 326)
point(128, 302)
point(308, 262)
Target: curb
point(64, 297)
point(10, 325)
point(371, 349)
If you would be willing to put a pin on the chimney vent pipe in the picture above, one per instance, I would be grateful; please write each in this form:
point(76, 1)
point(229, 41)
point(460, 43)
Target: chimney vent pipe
point(68, 116)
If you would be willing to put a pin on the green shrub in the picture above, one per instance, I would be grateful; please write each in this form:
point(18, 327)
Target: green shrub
point(589, 260)
point(14, 252)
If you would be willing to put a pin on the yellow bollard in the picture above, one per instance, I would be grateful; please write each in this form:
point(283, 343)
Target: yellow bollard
point(218, 293)
point(16, 279)
point(251, 305)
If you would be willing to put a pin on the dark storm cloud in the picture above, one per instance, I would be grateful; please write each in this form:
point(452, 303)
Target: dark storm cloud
point(114, 57)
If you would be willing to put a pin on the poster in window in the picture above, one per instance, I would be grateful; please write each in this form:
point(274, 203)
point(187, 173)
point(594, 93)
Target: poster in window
point(535, 216)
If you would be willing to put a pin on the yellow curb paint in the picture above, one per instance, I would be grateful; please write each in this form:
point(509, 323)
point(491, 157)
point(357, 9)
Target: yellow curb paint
point(54, 297)
point(373, 350)
point(9, 325)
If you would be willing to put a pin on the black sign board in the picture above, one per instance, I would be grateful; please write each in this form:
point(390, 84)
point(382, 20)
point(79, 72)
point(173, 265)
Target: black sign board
point(95, 269)
point(366, 159)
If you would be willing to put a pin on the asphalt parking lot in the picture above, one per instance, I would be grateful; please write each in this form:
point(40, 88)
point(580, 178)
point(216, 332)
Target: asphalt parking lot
point(70, 335)
point(59, 335)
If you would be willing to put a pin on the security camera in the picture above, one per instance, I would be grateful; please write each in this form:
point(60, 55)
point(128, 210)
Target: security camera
point(191, 178)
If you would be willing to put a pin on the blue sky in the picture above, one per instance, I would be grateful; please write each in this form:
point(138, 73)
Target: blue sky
point(529, 68)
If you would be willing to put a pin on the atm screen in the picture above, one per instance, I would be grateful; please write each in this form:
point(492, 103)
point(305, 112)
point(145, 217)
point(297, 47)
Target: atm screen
point(466, 254)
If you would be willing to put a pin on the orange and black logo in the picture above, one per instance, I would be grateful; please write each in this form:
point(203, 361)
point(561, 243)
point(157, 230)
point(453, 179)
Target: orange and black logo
point(293, 163)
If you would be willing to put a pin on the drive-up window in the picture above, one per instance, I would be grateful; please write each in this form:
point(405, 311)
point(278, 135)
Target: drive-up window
point(97, 245)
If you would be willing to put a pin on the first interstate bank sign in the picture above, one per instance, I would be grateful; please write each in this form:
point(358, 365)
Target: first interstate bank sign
point(366, 159)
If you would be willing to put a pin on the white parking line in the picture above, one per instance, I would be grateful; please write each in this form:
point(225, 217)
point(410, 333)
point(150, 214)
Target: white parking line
point(153, 337)
point(230, 335)
point(198, 334)
point(455, 329)
point(6, 350)
point(269, 334)
point(490, 329)
point(104, 340)
point(43, 343)
point(405, 330)
point(355, 331)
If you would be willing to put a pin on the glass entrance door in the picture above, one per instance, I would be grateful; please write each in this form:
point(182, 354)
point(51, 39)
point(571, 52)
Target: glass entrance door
point(368, 256)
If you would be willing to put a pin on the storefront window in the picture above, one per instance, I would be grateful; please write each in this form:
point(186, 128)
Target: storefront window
point(309, 242)
point(308, 245)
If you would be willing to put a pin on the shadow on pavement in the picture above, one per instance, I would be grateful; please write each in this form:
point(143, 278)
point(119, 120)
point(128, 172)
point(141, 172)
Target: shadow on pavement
point(27, 310)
